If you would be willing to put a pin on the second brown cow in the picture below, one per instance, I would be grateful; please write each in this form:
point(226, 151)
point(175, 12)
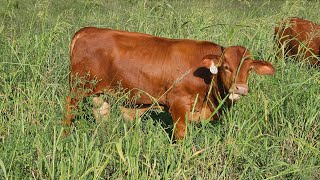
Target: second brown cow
point(296, 35)
point(187, 77)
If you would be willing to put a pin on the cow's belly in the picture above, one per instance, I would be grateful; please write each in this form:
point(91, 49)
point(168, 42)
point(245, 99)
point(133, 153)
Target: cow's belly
point(101, 109)
point(140, 84)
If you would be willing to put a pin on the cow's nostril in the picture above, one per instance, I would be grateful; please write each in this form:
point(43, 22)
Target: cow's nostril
point(241, 89)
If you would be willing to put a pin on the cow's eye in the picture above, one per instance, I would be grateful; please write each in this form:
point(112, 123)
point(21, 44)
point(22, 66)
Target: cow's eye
point(226, 67)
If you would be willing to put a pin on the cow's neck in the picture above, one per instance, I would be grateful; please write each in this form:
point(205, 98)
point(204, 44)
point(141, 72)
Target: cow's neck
point(217, 94)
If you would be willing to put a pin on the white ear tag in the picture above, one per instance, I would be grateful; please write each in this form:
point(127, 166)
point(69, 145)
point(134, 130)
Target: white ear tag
point(213, 69)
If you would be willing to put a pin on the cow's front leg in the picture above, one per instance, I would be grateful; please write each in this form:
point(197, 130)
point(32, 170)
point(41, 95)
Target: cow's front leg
point(178, 110)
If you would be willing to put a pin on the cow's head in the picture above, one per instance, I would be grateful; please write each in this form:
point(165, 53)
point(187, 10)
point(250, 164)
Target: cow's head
point(233, 67)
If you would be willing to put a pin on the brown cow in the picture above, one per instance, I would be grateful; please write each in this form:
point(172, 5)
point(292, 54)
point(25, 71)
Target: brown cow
point(296, 35)
point(178, 73)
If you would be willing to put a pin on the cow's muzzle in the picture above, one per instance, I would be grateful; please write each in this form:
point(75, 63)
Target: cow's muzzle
point(238, 91)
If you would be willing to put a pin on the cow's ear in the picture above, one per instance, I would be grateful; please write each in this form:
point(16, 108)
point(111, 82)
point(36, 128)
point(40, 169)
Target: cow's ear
point(208, 60)
point(263, 67)
point(211, 62)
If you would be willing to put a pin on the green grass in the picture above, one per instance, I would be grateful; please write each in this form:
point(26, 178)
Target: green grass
point(273, 133)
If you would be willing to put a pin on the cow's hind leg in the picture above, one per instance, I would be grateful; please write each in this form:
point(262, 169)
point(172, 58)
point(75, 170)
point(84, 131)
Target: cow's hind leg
point(69, 114)
point(72, 102)
point(81, 85)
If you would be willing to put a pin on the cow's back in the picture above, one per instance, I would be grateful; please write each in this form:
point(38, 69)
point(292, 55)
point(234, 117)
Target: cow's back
point(307, 32)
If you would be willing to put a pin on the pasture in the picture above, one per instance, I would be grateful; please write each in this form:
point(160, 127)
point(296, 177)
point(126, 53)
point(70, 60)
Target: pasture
point(273, 133)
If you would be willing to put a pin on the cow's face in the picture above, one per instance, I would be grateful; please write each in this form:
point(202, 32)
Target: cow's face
point(234, 66)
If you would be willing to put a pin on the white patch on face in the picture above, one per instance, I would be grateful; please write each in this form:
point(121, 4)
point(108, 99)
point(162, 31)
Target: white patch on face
point(234, 97)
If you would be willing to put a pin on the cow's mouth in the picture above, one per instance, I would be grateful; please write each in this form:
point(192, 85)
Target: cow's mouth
point(234, 96)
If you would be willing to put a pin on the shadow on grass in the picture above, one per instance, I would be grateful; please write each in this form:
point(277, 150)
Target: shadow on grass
point(165, 120)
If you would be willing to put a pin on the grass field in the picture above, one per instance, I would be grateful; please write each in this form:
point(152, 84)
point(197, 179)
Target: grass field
point(273, 133)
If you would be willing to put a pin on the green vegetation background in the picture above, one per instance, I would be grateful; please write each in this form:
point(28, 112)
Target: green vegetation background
point(273, 133)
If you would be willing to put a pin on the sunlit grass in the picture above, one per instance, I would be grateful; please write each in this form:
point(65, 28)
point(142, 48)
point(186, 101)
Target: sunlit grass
point(273, 133)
